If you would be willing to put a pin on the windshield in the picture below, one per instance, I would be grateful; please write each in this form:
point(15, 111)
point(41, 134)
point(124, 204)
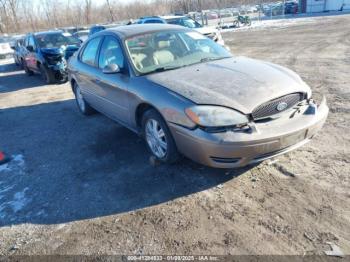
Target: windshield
point(168, 50)
point(55, 40)
point(184, 21)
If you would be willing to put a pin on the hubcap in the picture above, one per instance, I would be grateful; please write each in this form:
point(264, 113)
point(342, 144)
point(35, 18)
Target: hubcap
point(155, 138)
point(80, 99)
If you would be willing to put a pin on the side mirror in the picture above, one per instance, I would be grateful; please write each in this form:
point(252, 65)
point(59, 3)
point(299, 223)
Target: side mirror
point(13, 47)
point(111, 69)
point(30, 48)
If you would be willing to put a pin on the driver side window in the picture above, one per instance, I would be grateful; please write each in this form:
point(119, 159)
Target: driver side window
point(111, 53)
point(31, 42)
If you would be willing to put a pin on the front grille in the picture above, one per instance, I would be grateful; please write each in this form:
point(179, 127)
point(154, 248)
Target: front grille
point(270, 108)
point(225, 160)
point(53, 59)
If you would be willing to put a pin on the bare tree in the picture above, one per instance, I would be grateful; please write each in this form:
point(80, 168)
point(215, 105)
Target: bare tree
point(110, 10)
point(87, 11)
point(13, 5)
point(29, 14)
point(4, 16)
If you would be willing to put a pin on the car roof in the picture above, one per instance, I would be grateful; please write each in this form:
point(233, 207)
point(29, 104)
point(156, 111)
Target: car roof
point(173, 16)
point(126, 31)
point(148, 17)
point(81, 31)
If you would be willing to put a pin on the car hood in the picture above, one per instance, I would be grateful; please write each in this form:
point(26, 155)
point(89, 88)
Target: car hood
point(66, 51)
point(52, 51)
point(238, 82)
point(206, 30)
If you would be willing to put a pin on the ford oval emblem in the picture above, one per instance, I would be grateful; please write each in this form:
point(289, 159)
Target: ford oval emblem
point(281, 106)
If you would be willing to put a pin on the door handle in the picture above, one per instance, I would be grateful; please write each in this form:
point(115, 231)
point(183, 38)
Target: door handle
point(97, 80)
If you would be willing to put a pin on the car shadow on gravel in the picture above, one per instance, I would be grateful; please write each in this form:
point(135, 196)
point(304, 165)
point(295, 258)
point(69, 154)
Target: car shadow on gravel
point(68, 167)
point(19, 77)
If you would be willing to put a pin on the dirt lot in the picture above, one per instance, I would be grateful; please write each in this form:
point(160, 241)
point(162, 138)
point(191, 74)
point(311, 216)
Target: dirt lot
point(82, 185)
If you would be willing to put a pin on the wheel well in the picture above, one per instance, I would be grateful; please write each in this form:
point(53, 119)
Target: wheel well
point(140, 110)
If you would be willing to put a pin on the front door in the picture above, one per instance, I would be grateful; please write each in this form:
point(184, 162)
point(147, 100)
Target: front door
point(113, 87)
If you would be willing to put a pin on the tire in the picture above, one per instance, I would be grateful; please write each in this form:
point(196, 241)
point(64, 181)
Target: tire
point(46, 75)
point(27, 70)
point(21, 63)
point(171, 154)
point(83, 106)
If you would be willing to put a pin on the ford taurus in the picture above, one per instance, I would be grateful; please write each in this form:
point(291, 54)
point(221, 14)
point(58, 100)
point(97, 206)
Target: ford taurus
point(187, 95)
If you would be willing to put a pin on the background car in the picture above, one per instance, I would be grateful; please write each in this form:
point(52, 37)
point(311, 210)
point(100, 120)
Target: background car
point(83, 35)
point(291, 7)
point(97, 28)
point(47, 53)
point(5, 47)
point(19, 51)
point(211, 32)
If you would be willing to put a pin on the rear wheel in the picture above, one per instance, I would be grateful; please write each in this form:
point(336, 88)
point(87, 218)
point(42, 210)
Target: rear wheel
point(26, 69)
point(21, 63)
point(158, 137)
point(83, 106)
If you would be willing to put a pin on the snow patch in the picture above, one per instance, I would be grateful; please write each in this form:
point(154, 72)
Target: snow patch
point(4, 167)
point(17, 203)
point(19, 200)
point(16, 165)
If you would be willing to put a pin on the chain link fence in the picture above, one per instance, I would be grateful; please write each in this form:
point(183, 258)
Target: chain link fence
point(245, 15)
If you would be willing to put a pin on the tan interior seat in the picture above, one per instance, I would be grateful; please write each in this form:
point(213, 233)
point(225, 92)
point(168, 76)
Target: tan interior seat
point(163, 56)
point(138, 59)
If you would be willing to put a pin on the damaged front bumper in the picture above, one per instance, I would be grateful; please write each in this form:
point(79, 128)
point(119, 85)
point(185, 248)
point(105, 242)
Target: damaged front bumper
point(265, 140)
point(59, 71)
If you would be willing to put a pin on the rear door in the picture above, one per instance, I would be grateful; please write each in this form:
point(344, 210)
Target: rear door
point(113, 87)
point(87, 72)
point(31, 55)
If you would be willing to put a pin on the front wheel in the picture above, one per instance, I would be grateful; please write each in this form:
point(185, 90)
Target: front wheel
point(158, 137)
point(46, 75)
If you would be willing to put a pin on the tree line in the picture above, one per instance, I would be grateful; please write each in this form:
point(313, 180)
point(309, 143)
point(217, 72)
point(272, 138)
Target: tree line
point(20, 16)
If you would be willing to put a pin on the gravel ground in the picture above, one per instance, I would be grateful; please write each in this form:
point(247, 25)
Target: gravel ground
point(79, 185)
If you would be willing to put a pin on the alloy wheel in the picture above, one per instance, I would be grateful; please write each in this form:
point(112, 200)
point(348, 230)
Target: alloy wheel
point(156, 138)
point(80, 99)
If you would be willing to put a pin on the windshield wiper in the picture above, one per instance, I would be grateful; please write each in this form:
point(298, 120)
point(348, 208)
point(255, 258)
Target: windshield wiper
point(207, 59)
point(163, 68)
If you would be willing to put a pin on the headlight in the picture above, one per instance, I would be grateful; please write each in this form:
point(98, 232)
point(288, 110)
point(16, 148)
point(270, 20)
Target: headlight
point(213, 116)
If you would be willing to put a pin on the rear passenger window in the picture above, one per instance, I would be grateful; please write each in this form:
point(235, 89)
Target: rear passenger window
point(90, 51)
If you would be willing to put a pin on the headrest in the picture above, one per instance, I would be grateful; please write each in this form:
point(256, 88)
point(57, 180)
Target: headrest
point(163, 44)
